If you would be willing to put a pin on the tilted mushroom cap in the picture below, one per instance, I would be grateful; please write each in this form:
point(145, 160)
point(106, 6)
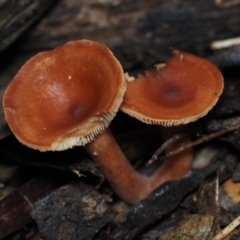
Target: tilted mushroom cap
point(64, 97)
point(181, 91)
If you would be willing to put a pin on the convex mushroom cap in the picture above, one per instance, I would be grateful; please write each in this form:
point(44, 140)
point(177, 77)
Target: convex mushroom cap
point(64, 97)
point(181, 91)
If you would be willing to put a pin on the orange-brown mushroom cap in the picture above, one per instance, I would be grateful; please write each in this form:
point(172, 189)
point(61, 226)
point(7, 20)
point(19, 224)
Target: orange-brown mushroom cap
point(181, 91)
point(64, 97)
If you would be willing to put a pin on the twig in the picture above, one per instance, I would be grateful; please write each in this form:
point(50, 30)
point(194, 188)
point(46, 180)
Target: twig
point(164, 146)
point(235, 223)
point(226, 43)
point(192, 144)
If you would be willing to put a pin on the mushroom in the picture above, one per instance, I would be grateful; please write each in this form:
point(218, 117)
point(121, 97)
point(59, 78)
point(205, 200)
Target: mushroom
point(67, 97)
point(181, 91)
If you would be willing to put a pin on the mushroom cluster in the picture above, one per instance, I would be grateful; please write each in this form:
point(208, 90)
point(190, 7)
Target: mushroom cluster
point(68, 97)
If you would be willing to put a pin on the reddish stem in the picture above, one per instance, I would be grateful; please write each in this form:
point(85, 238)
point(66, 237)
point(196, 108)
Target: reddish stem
point(175, 166)
point(131, 186)
point(125, 180)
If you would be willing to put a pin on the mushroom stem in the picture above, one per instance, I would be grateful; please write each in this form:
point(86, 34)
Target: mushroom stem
point(131, 186)
point(176, 166)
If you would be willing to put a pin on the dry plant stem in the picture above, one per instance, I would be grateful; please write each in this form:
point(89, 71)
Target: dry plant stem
point(227, 230)
point(175, 166)
point(202, 140)
point(131, 186)
point(162, 148)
